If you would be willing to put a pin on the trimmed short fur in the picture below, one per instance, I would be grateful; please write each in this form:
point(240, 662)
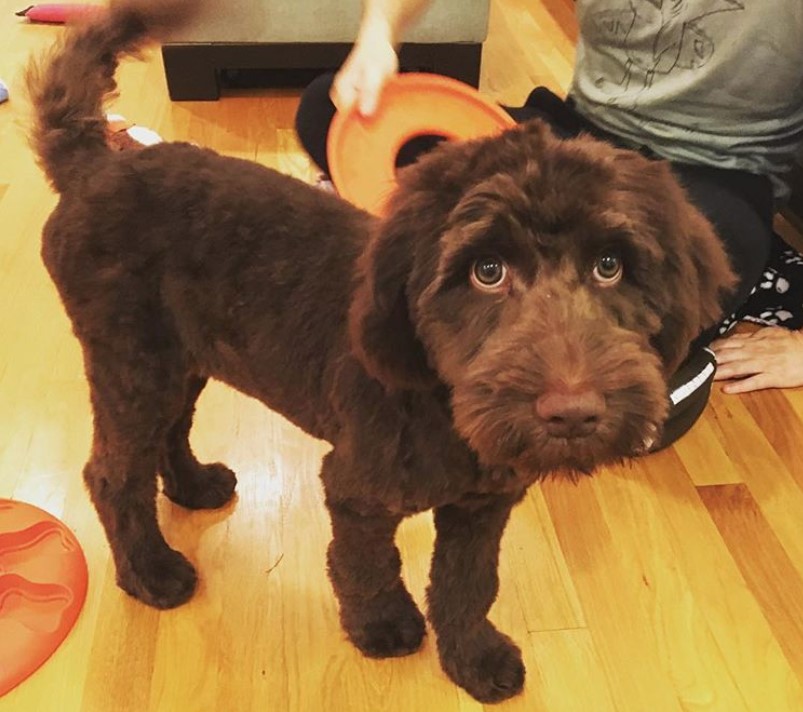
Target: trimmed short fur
point(514, 314)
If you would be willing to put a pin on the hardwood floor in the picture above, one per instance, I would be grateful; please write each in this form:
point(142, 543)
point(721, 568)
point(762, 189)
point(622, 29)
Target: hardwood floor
point(672, 583)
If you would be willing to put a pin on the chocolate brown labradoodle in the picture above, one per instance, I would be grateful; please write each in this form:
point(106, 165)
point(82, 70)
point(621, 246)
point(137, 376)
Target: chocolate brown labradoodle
point(515, 314)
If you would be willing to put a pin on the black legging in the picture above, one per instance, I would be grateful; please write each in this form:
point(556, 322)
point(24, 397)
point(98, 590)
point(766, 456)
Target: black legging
point(738, 204)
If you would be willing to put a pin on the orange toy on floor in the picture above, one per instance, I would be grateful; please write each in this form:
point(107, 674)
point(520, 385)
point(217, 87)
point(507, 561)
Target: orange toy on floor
point(43, 582)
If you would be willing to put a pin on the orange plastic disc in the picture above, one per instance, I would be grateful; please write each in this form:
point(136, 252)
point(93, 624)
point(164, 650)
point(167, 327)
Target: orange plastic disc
point(43, 582)
point(362, 151)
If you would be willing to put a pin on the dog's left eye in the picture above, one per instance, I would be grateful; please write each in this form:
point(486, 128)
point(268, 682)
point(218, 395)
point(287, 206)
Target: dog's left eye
point(608, 269)
point(488, 273)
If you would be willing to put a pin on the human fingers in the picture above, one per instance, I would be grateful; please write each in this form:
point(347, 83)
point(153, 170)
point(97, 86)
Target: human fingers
point(343, 92)
point(369, 67)
point(383, 67)
point(729, 343)
point(756, 382)
point(738, 368)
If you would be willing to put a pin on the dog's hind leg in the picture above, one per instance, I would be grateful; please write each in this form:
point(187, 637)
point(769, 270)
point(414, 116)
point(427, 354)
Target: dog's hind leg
point(137, 389)
point(376, 610)
point(186, 481)
point(463, 585)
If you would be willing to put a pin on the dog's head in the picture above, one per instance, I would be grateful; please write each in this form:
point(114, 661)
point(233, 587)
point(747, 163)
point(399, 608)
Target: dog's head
point(551, 285)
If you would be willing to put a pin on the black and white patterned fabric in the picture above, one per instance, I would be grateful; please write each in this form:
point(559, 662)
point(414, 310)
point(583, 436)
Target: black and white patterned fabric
point(777, 300)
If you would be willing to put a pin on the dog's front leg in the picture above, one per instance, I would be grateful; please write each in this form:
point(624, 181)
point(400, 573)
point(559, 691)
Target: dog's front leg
point(463, 585)
point(376, 610)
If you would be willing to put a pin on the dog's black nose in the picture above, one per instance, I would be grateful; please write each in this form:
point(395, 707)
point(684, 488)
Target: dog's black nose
point(570, 414)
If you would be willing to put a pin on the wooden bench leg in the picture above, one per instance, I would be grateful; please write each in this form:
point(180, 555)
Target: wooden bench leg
point(191, 73)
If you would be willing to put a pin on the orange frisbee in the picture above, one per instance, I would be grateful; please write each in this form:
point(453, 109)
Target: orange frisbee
point(43, 582)
point(362, 151)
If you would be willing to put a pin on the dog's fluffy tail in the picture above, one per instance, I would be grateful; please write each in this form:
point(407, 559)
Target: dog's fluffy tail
point(69, 84)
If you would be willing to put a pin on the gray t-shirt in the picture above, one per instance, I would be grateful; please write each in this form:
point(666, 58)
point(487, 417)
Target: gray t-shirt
point(717, 82)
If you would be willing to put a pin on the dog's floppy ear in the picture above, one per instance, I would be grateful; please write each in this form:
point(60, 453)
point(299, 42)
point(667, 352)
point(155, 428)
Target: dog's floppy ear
point(394, 269)
point(402, 258)
point(382, 333)
point(705, 280)
point(716, 279)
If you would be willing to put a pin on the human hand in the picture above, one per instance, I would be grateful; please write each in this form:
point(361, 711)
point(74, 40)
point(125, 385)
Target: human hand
point(370, 65)
point(771, 357)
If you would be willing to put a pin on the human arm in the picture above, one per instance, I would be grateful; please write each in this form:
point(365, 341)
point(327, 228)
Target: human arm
point(373, 61)
point(771, 357)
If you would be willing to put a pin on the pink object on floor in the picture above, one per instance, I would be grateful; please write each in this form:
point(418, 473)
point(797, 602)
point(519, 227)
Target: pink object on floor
point(58, 13)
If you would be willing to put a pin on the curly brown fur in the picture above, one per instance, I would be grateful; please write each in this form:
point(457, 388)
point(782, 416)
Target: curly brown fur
point(177, 265)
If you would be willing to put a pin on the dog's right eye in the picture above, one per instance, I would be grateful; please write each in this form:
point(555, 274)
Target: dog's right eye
point(608, 269)
point(489, 273)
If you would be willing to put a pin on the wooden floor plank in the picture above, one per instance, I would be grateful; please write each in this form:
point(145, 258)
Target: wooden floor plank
point(704, 457)
point(538, 571)
point(765, 565)
point(762, 470)
point(562, 658)
point(781, 425)
point(728, 607)
point(515, 28)
point(620, 625)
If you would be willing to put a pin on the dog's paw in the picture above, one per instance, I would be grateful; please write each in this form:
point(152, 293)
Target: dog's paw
point(207, 487)
point(488, 666)
point(163, 580)
point(389, 637)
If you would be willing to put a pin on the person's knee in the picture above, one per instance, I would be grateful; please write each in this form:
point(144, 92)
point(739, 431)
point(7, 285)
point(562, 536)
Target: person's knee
point(748, 246)
point(734, 204)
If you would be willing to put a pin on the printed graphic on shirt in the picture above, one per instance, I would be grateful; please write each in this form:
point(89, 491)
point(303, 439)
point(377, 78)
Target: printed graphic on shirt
point(654, 38)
